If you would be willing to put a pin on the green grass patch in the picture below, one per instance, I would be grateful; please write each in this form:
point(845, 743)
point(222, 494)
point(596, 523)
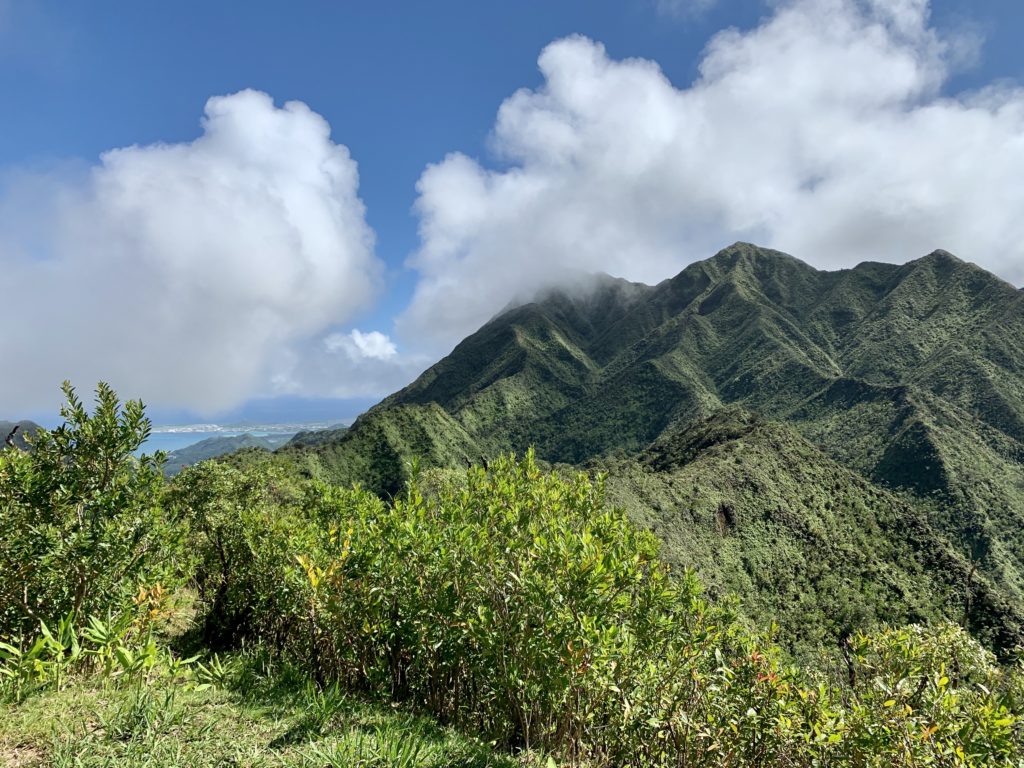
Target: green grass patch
point(268, 717)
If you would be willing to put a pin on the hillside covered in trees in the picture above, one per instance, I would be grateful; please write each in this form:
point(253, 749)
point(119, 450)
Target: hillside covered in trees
point(889, 401)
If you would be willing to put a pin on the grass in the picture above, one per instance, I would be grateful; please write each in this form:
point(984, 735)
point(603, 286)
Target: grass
point(266, 717)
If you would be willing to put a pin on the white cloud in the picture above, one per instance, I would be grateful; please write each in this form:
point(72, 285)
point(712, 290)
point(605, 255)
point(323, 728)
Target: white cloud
point(823, 132)
point(189, 274)
point(358, 345)
point(344, 365)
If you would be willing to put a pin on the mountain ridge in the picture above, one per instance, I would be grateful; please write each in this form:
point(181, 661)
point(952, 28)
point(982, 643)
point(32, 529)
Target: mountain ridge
point(910, 376)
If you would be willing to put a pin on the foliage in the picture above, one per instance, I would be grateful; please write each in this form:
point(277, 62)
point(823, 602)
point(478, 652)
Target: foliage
point(910, 376)
point(757, 511)
point(244, 525)
point(81, 524)
point(516, 604)
point(929, 696)
point(123, 648)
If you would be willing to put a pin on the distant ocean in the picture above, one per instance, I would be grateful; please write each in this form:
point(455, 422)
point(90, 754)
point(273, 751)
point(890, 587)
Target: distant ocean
point(173, 438)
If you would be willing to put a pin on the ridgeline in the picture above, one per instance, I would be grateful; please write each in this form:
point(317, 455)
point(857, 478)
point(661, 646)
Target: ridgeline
point(884, 472)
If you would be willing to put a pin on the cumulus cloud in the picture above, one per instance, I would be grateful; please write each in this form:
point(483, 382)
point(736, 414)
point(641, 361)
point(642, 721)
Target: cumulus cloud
point(358, 345)
point(824, 132)
point(192, 274)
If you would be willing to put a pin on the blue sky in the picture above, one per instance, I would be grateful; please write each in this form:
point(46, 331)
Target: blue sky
point(401, 86)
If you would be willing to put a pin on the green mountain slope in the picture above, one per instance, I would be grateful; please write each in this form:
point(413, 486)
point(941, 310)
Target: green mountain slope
point(375, 452)
point(212, 447)
point(317, 436)
point(911, 376)
point(758, 511)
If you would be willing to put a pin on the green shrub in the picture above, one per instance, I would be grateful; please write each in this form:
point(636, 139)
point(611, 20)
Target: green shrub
point(244, 527)
point(931, 695)
point(505, 604)
point(517, 605)
point(81, 523)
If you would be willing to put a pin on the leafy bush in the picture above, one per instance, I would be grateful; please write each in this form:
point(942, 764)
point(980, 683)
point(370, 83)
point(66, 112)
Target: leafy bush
point(245, 526)
point(81, 523)
point(503, 604)
point(515, 604)
point(931, 695)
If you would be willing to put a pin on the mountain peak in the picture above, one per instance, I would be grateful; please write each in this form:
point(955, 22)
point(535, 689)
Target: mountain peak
point(742, 251)
point(586, 289)
point(944, 266)
point(940, 258)
point(756, 261)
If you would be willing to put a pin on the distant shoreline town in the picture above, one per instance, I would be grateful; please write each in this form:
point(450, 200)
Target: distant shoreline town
point(283, 428)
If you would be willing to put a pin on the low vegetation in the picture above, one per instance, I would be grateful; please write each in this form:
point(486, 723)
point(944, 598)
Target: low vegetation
point(243, 614)
point(243, 710)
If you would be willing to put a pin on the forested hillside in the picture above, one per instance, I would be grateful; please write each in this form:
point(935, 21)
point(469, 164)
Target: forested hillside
point(212, 447)
point(909, 377)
